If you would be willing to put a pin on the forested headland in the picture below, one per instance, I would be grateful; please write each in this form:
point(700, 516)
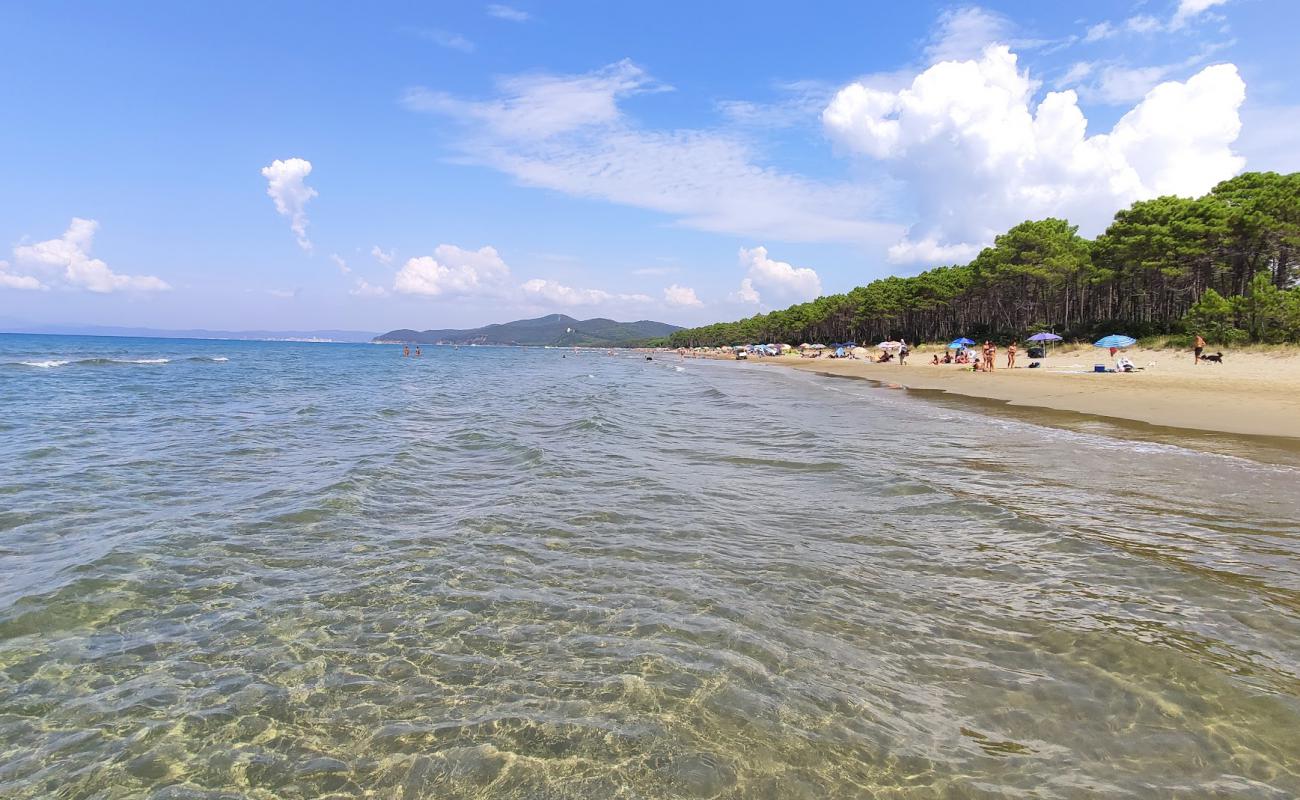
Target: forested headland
point(1224, 265)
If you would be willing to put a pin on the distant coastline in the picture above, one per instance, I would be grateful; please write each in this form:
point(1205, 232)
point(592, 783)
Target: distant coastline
point(326, 335)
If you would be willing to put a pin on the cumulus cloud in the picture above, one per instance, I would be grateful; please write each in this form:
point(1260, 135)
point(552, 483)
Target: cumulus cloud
point(340, 262)
point(508, 13)
point(382, 256)
point(681, 296)
point(286, 185)
point(568, 133)
point(453, 271)
point(979, 158)
point(8, 280)
point(556, 293)
point(747, 293)
point(777, 278)
point(66, 262)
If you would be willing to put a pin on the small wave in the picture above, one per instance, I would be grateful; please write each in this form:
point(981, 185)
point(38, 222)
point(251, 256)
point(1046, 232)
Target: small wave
point(680, 369)
point(45, 364)
point(208, 358)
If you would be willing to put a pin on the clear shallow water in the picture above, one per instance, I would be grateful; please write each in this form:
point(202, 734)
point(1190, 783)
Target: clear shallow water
point(324, 569)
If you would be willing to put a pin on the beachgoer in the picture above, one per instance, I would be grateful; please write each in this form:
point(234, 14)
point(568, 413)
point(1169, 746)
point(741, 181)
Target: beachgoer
point(902, 353)
point(406, 350)
point(1011, 355)
point(1196, 352)
point(935, 360)
point(417, 351)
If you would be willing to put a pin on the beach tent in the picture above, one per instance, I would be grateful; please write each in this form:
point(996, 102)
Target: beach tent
point(1115, 340)
point(785, 348)
point(860, 352)
point(890, 345)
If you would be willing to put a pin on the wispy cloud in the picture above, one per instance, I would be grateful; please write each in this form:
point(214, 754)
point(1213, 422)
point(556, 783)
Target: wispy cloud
point(508, 13)
point(568, 133)
point(447, 39)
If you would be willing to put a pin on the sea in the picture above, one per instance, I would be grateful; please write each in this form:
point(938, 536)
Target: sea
point(236, 569)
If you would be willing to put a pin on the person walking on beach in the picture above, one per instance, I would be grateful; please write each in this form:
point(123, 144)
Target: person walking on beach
point(902, 353)
point(1196, 352)
point(1011, 355)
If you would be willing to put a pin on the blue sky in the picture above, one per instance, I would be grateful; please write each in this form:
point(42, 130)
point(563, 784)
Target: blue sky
point(290, 166)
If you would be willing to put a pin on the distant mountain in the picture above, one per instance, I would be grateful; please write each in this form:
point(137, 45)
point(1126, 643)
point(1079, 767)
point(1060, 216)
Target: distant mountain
point(194, 333)
point(553, 329)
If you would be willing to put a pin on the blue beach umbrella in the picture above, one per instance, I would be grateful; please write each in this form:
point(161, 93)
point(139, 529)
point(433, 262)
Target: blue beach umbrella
point(958, 344)
point(963, 341)
point(1044, 337)
point(1115, 340)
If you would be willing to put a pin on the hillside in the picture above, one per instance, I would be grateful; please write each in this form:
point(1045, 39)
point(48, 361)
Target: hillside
point(553, 329)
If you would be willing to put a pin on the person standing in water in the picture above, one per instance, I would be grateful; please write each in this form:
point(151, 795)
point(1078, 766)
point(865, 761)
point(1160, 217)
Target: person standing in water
point(417, 351)
point(406, 350)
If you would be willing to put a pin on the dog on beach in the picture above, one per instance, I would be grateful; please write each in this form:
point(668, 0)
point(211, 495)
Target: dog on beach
point(1217, 358)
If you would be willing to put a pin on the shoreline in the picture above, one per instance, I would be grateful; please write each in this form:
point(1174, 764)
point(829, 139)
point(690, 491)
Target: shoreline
point(1253, 394)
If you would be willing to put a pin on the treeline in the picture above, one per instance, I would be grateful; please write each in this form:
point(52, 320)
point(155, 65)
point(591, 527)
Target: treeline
point(1224, 265)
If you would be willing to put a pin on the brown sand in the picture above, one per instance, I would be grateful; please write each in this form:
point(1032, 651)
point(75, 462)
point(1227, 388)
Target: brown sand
point(1250, 393)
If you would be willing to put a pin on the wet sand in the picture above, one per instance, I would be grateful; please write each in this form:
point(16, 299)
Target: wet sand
point(1255, 393)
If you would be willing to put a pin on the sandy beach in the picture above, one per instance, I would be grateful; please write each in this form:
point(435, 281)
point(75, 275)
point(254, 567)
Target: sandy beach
point(1256, 393)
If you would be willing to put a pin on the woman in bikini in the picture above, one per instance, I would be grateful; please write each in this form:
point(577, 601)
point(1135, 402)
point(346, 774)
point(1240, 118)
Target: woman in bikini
point(1011, 355)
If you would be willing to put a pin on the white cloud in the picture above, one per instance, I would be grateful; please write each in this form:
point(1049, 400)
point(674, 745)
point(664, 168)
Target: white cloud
point(1077, 72)
point(381, 256)
point(557, 293)
point(978, 158)
point(8, 280)
point(508, 13)
point(681, 296)
point(929, 251)
point(964, 33)
point(1117, 84)
point(1144, 23)
point(747, 293)
point(284, 294)
point(1190, 9)
point(286, 185)
point(1102, 30)
point(341, 263)
point(447, 39)
point(453, 271)
point(775, 277)
point(366, 289)
point(567, 133)
point(656, 271)
point(67, 260)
